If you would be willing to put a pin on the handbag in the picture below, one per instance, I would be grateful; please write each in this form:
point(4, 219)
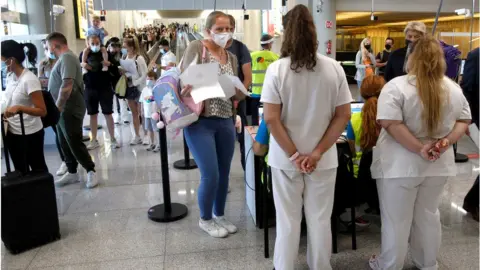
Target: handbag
point(121, 87)
point(53, 114)
point(196, 108)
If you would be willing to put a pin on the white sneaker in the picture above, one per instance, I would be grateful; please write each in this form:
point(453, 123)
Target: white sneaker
point(93, 144)
point(151, 147)
point(212, 228)
point(68, 178)
point(114, 144)
point(135, 141)
point(116, 119)
point(62, 170)
point(157, 148)
point(91, 180)
point(146, 140)
point(223, 222)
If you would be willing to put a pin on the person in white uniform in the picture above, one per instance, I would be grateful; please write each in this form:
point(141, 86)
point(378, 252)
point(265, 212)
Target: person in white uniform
point(306, 107)
point(168, 59)
point(422, 114)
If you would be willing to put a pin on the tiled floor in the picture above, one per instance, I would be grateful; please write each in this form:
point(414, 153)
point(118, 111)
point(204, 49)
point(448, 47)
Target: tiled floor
point(107, 227)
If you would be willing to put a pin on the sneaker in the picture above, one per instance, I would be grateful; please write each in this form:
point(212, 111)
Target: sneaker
point(373, 263)
point(151, 147)
point(93, 144)
point(146, 141)
point(212, 228)
point(157, 148)
point(91, 180)
point(114, 144)
point(68, 178)
point(362, 223)
point(224, 223)
point(62, 170)
point(135, 141)
point(116, 119)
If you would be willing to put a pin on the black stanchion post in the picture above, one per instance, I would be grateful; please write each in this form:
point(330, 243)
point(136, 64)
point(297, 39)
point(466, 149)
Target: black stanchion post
point(459, 158)
point(186, 163)
point(168, 211)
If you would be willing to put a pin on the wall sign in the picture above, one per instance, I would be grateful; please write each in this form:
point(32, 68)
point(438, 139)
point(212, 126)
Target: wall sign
point(328, 24)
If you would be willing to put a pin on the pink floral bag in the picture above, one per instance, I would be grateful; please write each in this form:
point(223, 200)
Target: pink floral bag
point(196, 108)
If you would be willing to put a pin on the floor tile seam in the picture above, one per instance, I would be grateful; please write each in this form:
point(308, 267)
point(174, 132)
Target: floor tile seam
point(31, 261)
point(74, 200)
point(102, 261)
point(211, 250)
point(106, 211)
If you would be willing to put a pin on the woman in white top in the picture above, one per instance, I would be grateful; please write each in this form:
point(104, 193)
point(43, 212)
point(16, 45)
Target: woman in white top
point(422, 114)
point(306, 107)
point(364, 62)
point(23, 95)
point(136, 82)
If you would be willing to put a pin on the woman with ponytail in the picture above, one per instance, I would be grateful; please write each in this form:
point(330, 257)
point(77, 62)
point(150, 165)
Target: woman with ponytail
point(421, 114)
point(362, 133)
point(23, 95)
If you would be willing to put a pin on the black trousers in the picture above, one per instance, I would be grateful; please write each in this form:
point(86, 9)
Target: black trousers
point(70, 135)
point(472, 196)
point(242, 112)
point(57, 142)
point(27, 152)
point(254, 105)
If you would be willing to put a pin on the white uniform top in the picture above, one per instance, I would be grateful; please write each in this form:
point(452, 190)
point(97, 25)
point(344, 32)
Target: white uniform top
point(18, 93)
point(308, 99)
point(399, 101)
point(148, 107)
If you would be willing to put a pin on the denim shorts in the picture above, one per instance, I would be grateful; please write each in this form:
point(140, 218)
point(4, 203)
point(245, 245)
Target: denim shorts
point(132, 93)
point(149, 124)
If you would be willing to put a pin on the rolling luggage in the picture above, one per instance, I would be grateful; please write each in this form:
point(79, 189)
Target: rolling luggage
point(29, 207)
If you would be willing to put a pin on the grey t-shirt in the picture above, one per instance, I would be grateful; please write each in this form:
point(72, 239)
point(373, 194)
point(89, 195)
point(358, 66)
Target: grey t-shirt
point(68, 67)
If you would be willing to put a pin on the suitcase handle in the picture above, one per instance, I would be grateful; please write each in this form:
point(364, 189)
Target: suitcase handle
point(5, 148)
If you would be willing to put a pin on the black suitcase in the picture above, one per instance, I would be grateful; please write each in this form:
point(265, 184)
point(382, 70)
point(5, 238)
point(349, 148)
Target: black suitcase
point(29, 207)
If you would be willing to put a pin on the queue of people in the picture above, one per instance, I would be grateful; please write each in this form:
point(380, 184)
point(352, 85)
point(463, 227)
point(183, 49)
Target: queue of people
point(406, 129)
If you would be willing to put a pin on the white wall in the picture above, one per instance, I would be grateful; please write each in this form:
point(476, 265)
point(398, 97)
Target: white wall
point(402, 5)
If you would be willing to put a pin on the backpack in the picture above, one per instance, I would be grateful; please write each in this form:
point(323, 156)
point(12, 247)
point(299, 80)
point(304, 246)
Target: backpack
point(175, 114)
point(53, 114)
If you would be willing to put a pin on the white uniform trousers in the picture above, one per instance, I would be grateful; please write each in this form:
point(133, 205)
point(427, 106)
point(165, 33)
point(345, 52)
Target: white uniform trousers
point(409, 212)
point(315, 191)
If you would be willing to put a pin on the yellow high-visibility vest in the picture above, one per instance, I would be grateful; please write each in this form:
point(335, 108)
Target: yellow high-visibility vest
point(260, 62)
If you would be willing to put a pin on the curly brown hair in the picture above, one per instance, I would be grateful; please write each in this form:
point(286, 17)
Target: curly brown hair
point(300, 43)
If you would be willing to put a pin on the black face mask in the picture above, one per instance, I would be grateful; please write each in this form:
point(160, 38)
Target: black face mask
point(388, 46)
point(368, 47)
point(407, 42)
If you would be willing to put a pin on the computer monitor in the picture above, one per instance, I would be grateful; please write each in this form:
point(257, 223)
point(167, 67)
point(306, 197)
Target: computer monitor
point(356, 106)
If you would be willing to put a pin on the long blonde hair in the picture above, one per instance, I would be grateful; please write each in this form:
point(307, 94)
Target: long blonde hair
point(365, 52)
point(426, 65)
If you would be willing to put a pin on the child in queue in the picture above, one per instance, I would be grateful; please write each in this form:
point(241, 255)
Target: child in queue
point(99, 31)
point(149, 107)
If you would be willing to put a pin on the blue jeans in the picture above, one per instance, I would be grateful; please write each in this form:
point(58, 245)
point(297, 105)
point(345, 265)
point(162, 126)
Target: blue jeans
point(212, 144)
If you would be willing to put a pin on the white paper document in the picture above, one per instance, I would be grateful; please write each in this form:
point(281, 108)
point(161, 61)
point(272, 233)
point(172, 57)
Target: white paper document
point(474, 134)
point(207, 84)
point(238, 84)
point(129, 66)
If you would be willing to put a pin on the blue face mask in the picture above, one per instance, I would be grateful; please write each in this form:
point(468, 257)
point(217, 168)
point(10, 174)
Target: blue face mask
point(51, 55)
point(4, 67)
point(124, 51)
point(150, 83)
point(162, 51)
point(95, 48)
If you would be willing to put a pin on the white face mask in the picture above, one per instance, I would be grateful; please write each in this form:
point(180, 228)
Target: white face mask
point(221, 39)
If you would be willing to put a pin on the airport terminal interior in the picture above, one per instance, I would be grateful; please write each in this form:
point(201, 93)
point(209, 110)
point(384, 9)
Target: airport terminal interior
point(111, 226)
